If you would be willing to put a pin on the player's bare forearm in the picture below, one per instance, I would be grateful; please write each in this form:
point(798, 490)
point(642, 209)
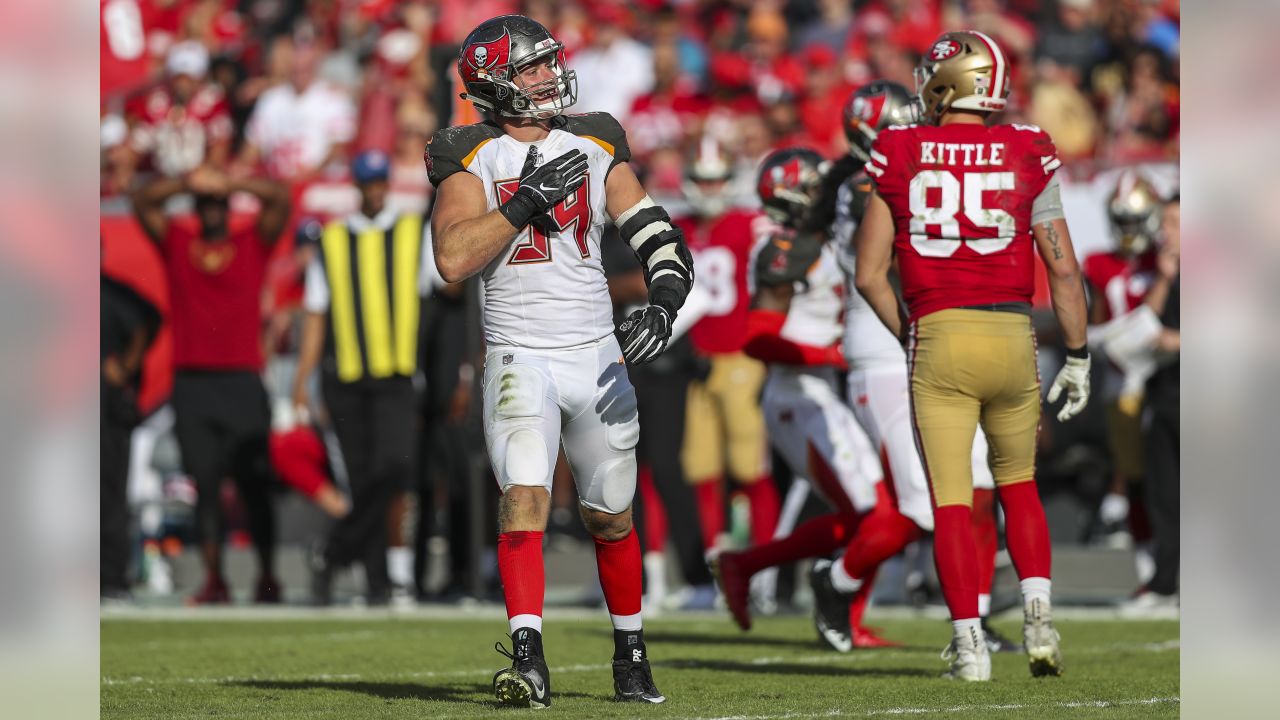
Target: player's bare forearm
point(148, 205)
point(274, 197)
point(879, 294)
point(311, 347)
point(467, 235)
point(1066, 284)
point(873, 243)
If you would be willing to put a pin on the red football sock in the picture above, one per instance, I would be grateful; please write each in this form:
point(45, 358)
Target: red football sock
point(655, 513)
point(520, 567)
point(985, 537)
point(957, 560)
point(1025, 530)
point(710, 511)
point(765, 506)
point(858, 606)
point(883, 533)
point(815, 537)
point(620, 568)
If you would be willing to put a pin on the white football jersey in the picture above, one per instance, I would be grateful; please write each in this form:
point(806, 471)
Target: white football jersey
point(814, 317)
point(867, 342)
point(544, 290)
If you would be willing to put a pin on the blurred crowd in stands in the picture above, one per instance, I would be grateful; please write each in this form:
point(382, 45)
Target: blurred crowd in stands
point(293, 91)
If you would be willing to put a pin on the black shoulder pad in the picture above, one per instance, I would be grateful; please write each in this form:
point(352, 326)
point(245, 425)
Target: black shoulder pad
point(602, 128)
point(862, 188)
point(449, 149)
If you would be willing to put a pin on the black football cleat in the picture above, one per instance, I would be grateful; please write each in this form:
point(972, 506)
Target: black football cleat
point(527, 683)
point(830, 608)
point(633, 682)
point(997, 642)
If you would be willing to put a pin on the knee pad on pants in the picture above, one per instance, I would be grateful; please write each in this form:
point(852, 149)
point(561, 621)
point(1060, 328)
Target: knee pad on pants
point(613, 485)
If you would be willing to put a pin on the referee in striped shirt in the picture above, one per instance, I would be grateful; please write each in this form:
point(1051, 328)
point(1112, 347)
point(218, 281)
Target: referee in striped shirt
point(361, 329)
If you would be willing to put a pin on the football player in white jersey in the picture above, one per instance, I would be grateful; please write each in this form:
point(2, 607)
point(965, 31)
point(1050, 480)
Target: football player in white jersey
point(795, 326)
point(878, 364)
point(522, 199)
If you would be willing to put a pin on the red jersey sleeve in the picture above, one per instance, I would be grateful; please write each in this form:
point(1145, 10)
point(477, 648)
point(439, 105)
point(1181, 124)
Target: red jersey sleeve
point(1040, 157)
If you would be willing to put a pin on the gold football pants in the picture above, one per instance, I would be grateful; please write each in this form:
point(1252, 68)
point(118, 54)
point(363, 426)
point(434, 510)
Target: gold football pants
point(724, 424)
point(971, 366)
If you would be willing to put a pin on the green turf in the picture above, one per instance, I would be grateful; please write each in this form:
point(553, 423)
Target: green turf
point(436, 668)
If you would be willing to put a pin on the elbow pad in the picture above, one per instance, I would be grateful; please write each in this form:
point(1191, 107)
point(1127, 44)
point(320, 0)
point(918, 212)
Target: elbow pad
point(1048, 204)
point(668, 265)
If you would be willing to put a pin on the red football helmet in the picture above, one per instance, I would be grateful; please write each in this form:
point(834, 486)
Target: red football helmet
point(788, 184)
point(872, 108)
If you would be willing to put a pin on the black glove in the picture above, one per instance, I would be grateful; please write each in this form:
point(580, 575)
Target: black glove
point(541, 188)
point(645, 334)
point(786, 259)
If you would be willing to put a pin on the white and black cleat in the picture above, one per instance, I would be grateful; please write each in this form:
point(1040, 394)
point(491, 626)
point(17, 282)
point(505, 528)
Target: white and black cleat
point(527, 683)
point(1041, 640)
point(969, 657)
point(830, 609)
point(633, 682)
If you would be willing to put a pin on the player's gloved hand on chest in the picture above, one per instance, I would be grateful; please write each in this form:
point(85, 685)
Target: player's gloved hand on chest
point(1074, 378)
point(645, 333)
point(543, 187)
point(786, 259)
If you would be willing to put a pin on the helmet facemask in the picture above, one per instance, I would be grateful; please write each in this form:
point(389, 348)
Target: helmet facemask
point(549, 97)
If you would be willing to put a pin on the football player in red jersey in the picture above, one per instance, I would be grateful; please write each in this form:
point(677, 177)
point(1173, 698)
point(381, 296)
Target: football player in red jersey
point(724, 429)
point(962, 205)
point(1118, 281)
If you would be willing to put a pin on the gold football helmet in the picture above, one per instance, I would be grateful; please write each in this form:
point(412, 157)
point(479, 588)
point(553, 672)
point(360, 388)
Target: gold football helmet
point(1134, 211)
point(962, 70)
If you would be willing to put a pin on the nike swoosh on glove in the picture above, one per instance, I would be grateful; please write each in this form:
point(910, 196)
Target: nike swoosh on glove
point(645, 333)
point(1074, 378)
point(543, 187)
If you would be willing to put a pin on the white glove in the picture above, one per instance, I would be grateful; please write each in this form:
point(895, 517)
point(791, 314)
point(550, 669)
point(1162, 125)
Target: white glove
point(1074, 376)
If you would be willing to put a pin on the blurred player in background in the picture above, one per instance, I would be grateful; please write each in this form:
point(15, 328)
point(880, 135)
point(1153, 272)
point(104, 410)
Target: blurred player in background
point(958, 203)
point(724, 428)
point(878, 379)
point(215, 272)
point(1118, 280)
point(794, 325)
point(522, 199)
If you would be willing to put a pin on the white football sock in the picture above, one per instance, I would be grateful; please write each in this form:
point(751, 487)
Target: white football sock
point(400, 566)
point(629, 623)
point(1035, 588)
point(533, 622)
point(984, 604)
point(841, 580)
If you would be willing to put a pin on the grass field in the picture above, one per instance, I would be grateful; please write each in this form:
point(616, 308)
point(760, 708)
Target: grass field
point(352, 667)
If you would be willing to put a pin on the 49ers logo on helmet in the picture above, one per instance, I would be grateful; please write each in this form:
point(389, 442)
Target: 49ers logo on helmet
point(485, 55)
point(944, 49)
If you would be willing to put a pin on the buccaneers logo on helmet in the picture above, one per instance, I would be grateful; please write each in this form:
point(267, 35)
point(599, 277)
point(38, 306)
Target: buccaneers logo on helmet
point(493, 56)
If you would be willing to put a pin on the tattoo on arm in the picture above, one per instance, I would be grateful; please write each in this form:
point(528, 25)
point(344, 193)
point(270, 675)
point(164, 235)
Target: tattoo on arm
point(1053, 240)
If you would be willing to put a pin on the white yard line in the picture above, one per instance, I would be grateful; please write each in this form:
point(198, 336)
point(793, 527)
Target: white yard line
point(823, 659)
point(1081, 705)
point(491, 611)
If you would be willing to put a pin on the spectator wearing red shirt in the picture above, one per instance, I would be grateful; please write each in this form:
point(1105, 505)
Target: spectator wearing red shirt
point(823, 102)
point(215, 274)
point(670, 113)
